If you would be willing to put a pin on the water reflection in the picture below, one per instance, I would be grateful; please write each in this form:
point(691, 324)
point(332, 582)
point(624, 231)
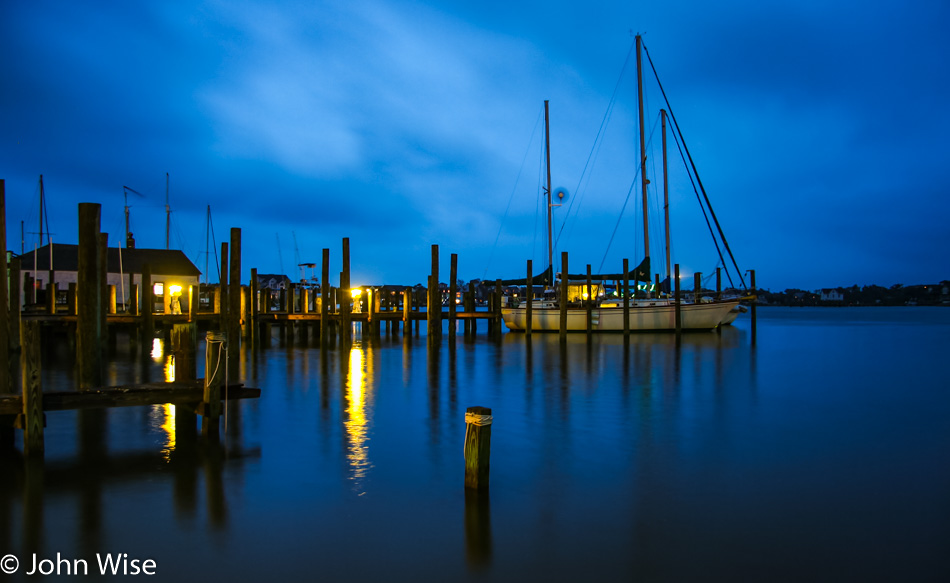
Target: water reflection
point(359, 406)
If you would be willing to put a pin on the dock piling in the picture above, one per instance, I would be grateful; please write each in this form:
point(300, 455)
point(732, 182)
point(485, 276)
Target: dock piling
point(477, 448)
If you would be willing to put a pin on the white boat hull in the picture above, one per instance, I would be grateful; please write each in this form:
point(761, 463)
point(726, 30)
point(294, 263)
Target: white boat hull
point(643, 316)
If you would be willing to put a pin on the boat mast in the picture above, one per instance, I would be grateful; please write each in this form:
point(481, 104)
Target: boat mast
point(168, 215)
point(207, 229)
point(125, 195)
point(666, 194)
point(643, 155)
point(42, 205)
point(547, 155)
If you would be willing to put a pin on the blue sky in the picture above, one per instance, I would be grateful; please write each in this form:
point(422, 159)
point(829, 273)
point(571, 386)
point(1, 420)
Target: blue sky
point(817, 129)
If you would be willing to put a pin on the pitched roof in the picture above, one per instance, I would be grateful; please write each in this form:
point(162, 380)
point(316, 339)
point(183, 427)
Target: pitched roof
point(161, 261)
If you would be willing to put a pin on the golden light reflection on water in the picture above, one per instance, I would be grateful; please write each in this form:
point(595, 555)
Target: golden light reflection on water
point(158, 350)
point(169, 369)
point(163, 418)
point(358, 409)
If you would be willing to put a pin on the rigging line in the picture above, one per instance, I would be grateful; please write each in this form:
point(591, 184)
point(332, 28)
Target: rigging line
point(693, 164)
point(512, 195)
point(214, 244)
point(598, 139)
point(702, 207)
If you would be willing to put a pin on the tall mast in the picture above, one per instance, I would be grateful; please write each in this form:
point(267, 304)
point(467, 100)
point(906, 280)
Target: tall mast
point(643, 155)
point(547, 155)
point(42, 204)
point(666, 194)
point(125, 195)
point(168, 215)
point(207, 229)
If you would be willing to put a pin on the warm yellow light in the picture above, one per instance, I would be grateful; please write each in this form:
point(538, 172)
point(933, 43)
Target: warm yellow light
point(159, 289)
point(175, 290)
point(356, 293)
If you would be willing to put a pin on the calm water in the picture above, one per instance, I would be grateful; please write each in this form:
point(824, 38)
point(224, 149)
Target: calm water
point(822, 453)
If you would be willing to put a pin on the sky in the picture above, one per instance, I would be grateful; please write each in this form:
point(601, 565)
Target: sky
point(817, 129)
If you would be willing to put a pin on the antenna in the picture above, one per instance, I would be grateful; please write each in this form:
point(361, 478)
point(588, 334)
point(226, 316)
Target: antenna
point(125, 193)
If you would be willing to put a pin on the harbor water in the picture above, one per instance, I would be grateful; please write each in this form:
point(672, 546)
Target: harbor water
point(819, 453)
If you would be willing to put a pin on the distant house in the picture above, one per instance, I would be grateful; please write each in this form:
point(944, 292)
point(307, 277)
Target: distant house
point(831, 295)
point(272, 281)
point(60, 265)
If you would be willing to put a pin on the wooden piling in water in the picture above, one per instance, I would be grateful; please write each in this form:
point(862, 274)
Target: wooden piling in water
point(184, 347)
point(496, 316)
point(529, 296)
point(7, 311)
point(102, 283)
point(14, 312)
point(215, 367)
point(434, 305)
point(89, 305)
point(345, 298)
point(234, 306)
point(147, 305)
point(32, 419)
point(324, 298)
point(562, 300)
point(471, 299)
point(453, 291)
point(626, 297)
point(407, 311)
point(589, 304)
point(477, 447)
point(697, 287)
point(223, 288)
point(6, 383)
point(676, 298)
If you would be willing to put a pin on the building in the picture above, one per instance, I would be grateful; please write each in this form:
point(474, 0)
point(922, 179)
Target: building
point(170, 271)
point(831, 295)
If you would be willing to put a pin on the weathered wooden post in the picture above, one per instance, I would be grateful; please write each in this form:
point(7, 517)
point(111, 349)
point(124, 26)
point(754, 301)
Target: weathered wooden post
point(589, 305)
point(718, 283)
point(148, 300)
point(223, 289)
point(71, 299)
point(407, 311)
point(497, 314)
point(477, 448)
point(14, 305)
point(471, 299)
point(562, 300)
point(345, 297)
point(626, 297)
point(89, 304)
point(233, 330)
point(676, 298)
point(184, 348)
point(697, 287)
point(32, 419)
point(132, 308)
point(215, 370)
point(7, 308)
point(6, 383)
point(529, 296)
point(453, 290)
point(324, 299)
point(103, 264)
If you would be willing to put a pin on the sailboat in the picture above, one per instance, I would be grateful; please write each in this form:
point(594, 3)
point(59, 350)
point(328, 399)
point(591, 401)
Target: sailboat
point(626, 313)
